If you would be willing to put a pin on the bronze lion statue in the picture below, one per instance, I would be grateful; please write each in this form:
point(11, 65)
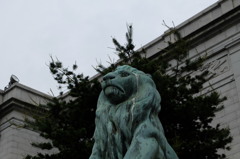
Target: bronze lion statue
point(127, 123)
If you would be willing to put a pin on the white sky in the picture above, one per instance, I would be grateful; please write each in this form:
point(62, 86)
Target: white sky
point(77, 31)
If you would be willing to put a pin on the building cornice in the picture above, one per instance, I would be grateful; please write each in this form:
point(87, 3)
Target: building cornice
point(199, 28)
point(28, 89)
point(19, 105)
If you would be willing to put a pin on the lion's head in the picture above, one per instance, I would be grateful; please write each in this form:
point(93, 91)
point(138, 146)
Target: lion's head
point(127, 84)
point(119, 85)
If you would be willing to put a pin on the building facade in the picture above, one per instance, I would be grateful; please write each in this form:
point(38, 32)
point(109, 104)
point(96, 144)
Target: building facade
point(16, 103)
point(214, 32)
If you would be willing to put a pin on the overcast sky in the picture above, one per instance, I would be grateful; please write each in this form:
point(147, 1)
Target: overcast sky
point(77, 31)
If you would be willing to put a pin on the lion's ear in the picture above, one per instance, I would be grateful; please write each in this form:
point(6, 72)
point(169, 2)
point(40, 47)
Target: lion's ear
point(149, 75)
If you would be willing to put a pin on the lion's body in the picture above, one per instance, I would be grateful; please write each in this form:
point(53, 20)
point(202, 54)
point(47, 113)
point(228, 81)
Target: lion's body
point(127, 123)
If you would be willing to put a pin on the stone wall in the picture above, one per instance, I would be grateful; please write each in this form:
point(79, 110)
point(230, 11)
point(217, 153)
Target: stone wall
point(214, 33)
point(15, 141)
point(17, 103)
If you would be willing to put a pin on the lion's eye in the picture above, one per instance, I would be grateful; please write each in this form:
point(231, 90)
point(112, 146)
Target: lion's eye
point(124, 74)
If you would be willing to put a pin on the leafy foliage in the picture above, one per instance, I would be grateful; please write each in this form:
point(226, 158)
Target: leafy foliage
point(186, 114)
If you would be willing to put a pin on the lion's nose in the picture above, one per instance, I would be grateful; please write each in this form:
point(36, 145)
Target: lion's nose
point(108, 76)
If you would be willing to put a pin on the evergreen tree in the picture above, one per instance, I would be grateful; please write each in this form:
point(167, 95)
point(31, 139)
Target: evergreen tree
point(68, 124)
point(186, 115)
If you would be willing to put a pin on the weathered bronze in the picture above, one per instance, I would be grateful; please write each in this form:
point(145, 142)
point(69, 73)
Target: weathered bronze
point(127, 123)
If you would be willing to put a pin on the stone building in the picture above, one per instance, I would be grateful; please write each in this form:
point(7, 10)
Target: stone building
point(215, 31)
point(16, 103)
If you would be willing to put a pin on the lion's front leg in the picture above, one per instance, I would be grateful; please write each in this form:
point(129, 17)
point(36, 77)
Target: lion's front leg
point(144, 145)
point(143, 148)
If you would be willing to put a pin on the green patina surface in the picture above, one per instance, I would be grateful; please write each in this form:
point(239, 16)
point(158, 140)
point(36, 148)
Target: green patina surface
point(127, 123)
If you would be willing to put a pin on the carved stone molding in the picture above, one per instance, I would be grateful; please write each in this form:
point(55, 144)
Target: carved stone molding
point(215, 67)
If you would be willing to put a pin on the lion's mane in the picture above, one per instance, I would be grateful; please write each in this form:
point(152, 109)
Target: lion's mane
point(124, 130)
